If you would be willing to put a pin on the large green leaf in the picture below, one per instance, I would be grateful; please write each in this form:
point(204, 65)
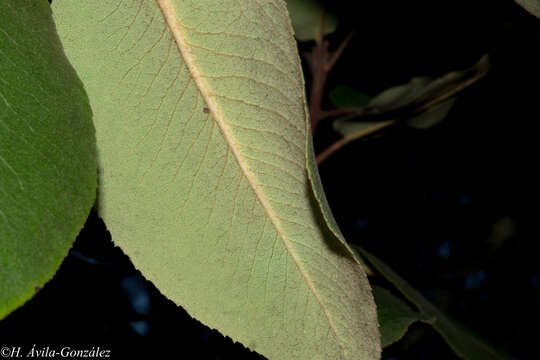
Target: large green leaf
point(203, 144)
point(532, 6)
point(309, 18)
point(47, 151)
point(395, 316)
point(461, 340)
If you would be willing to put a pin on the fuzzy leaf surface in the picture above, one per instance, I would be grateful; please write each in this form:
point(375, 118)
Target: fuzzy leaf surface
point(204, 153)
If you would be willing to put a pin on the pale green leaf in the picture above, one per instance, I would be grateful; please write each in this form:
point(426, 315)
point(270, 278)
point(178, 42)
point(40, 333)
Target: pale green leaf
point(308, 17)
point(432, 116)
point(395, 316)
point(532, 6)
point(47, 152)
point(203, 144)
point(402, 94)
point(461, 340)
point(351, 129)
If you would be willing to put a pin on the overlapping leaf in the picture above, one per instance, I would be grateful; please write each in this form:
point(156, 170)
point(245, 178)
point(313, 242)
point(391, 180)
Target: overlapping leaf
point(47, 152)
point(203, 146)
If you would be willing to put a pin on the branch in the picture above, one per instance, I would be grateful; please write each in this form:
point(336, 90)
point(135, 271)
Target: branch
point(342, 142)
point(337, 54)
point(321, 62)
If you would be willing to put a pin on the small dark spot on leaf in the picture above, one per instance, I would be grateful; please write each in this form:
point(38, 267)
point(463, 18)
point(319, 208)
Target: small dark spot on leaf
point(36, 289)
point(206, 110)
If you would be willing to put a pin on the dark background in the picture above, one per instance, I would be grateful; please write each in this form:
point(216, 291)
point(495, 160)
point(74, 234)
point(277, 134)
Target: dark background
point(452, 208)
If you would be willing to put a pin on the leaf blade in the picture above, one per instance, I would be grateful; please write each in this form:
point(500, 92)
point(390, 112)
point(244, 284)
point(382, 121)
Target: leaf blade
point(201, 127)
point(47, 152)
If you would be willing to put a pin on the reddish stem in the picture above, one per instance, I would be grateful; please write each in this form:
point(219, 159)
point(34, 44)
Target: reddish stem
point(321, 62)
point(319, 73)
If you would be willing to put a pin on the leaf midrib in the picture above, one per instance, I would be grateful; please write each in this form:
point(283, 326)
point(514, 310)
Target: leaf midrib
point(175, 27)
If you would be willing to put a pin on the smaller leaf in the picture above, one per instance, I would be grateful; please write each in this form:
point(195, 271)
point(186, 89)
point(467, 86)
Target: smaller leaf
point(395, 316)
point(460, 339)
point(422, 103)
point(307, 15)
point(432, 116)
point(392, 98)
point(402, 94)
point(532, 6)
point(351, 129)
point(348, 97)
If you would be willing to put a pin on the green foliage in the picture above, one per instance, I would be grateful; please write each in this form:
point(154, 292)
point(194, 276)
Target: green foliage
point(403, 95)
point(47, 152)
point(390, 99)
point(207, 173)
point(422, 103)
point(462, 341)
point(395, 316)
point(203, 146)
point(351, 129)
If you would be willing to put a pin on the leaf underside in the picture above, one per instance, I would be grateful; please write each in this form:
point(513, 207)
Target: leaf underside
point(47, 152)
point(203, 144)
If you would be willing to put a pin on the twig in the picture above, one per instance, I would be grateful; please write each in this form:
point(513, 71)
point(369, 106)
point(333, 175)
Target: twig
point(342, 142)
point(342, 111)
point(337, 54)
point(319, 74)
point(321, 62)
